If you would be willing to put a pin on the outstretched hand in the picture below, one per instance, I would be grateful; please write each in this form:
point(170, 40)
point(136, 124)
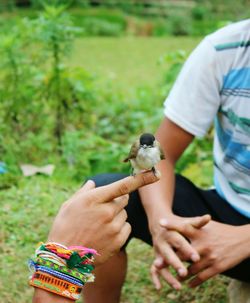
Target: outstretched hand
point(95, 217)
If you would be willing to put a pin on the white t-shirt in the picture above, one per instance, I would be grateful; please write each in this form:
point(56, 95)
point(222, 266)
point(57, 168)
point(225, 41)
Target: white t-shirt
point(214, 86)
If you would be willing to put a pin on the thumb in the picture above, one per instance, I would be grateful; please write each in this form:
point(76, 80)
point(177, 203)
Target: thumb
point(186, 226)
point(199, 222)
point(90, 184)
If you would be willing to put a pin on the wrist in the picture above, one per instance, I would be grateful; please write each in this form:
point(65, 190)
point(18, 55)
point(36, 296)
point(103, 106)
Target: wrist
point(244, 233)
point(243, 239)
point(154, 221)
point(41, 296)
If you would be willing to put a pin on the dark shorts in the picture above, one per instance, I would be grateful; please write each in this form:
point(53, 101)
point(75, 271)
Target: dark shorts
point(189, 201)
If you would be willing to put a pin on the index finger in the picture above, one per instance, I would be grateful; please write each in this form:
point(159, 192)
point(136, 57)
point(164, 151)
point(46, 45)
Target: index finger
point(122, 187)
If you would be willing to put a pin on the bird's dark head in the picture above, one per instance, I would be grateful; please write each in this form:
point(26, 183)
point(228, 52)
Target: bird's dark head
point(147, 140)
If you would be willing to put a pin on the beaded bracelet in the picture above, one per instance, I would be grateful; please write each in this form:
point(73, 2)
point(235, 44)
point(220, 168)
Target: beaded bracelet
point(61, 269)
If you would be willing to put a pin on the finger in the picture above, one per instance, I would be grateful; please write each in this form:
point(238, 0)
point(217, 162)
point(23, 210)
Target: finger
point(155, 276)
point(203, 276)
point(123, 235)
point(194, 269)
point(90, 184)
point(170, 279)
point(184, 249)
point(119, 221)
point(172, 259)
point(199, 222)
point(122, 187)
point(121, 200)
point(119, 203)
point(183, 227)
point(159, 262)
point(188, 225)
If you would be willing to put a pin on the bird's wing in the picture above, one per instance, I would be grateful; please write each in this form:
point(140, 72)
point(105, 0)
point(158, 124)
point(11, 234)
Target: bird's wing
point(133, 151)
point(161, 150)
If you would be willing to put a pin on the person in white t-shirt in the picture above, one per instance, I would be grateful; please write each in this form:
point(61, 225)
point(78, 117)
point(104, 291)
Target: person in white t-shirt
point(213, 86)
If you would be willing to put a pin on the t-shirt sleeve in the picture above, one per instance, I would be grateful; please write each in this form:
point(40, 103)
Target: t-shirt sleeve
point(195, 97)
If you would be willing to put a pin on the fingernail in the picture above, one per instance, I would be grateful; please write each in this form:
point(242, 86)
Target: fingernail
point(158, 262)
point(195, 257)
point(163, 222)
point(182, 272)
point(176, 286)
point(89, 182)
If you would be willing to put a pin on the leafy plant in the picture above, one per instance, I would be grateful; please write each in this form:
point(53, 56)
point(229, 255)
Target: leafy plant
point(180, 25)
point(56, 32)
point(19, 77)
point(173, 62)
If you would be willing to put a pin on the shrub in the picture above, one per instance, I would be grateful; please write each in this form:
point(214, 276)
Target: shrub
point(200, 12)
point(180, 25)
point(101, 27)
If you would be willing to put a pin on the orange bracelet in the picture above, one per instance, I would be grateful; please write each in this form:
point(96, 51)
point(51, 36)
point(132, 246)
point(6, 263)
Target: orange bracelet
point(55, 285)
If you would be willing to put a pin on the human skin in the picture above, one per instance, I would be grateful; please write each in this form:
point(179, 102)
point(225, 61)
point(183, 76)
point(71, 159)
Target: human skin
point(168, 245)
point(94, 217)
point(212, 250)
point(221, 247)
point(157, 201)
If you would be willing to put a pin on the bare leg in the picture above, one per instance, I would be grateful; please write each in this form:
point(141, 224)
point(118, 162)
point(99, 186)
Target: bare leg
point(109, 280)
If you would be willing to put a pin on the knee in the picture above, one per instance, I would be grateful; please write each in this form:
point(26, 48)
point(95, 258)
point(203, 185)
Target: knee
point(105, 179)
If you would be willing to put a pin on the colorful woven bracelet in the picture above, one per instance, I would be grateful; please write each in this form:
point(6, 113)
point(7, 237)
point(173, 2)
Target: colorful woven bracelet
point(62, 270)
point(59, 275)
point(51, 256)
point(72, 272)
point(55, 285)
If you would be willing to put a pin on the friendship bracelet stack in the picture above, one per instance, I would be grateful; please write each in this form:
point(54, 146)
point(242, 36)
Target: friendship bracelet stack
point(62, 270)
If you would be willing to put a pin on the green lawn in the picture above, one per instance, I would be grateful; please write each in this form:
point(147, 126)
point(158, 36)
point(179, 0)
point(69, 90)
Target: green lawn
point(28, 208)
point(127, 62)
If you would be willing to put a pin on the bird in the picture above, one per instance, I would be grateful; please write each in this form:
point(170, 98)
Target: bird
point(144, 154)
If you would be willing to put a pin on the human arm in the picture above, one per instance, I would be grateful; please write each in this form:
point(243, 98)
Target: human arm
point(157, 200)
point(174, 141)
point(94, 217)
point(190, 109)
point(43, 296)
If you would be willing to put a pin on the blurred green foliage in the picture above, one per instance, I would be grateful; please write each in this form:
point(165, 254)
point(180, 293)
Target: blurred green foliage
point(53, 112)
point(114, 18)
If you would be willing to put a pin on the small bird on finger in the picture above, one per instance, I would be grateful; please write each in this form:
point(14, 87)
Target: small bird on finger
point(144, 154)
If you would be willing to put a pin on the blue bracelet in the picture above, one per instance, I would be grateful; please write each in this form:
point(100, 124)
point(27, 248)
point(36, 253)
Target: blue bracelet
point(59, 275)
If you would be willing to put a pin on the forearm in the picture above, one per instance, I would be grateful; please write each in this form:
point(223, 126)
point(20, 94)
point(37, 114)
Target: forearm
point(157, 198)
point(42, 296)
point(245, 232)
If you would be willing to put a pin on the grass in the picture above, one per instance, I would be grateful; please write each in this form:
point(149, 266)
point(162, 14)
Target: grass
point(128, 62)
point(28, 208)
